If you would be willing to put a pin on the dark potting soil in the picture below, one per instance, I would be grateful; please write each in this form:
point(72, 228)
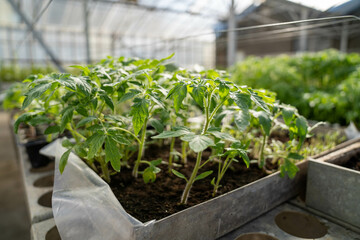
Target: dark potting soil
point(353, 163)
point(161, 198)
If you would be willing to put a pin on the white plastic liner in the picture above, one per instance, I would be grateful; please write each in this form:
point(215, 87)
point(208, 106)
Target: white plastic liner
point(84, 206)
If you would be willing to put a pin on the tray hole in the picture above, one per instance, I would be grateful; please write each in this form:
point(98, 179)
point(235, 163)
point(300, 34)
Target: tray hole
point(300, 225)
point(53, 234)
point(47, 181)
point(47, 168)
point(45, 199)
point(255, 236)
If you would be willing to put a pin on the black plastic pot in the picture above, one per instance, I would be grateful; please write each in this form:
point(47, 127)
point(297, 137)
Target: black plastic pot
point(32, 149)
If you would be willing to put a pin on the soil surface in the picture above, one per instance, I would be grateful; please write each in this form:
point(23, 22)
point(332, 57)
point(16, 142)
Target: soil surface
point(161, 198)
point(353, 163)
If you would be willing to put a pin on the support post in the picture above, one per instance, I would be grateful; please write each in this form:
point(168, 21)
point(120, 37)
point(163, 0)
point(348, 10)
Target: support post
point(86, 30)
point(36, 35)
point(303, 31)
point(344, 37)
point(231, 36)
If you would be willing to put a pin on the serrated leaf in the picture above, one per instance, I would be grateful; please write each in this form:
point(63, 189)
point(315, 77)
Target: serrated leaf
point(112, 153)
point(82, 85)
point(66, 117)
point(199, 143)
point(22, 119)
point(159, 127)
point(295, 156)
point(128, 96)
point(288, 114)
point(179, 97)
point(63, 160)
point(52, 129)
point(109, 102)
point(95, 142)
point(35, 92)
point(242, 119)
point(82, 111)
point(86, 120)
point(66, 143)
point(38, 119)
point(258, 101)
point(179, 174)
point(264, 120)
point(198, 93)
point(119, 137)
point(170, 134)
point(203, 175)
point(302, 127)
point(223, 89)
point(139, 113)
point(221, 135)
point(289, 168)
point(242, 100)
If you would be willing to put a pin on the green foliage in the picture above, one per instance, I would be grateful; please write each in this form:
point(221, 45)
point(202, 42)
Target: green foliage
point(323, 86)
point(109, 108)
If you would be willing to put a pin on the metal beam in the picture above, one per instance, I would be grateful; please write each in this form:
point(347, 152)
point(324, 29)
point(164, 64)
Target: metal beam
point(36, 35)
point(344, 37)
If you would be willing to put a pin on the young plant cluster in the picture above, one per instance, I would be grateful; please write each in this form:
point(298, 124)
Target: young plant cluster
point(113, 108)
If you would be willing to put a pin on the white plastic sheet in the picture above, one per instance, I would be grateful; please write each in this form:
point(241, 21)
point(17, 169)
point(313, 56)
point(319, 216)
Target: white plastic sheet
point(84, 206)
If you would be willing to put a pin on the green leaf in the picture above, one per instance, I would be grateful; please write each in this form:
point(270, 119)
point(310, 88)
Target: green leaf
point(295, 156)
point(149, 175)
point(264, 120)
point(179, 174)
point(108, 101)
point(159, 127)
point(81, 110)
point(223, 89)
point(198, 93)
point(244, 156)
point(242, 100)
point(179, 97)
point(67, 144)
point(95, 142)
point(63, 160)
point(288, 113)
point(242, 120)
point(82, 85)
point(38, 119)
point(86, 120)
point(139, 111)
point(221, 135)
point(203, 175)
point(85, 69)
point(52, 129)
point(66, 117)
point(258, 101)
point(22, 119)
point(302, 127)
point(170, 134)
point(112, 153)
point(129, 95)
point(288, 167)
point(35, 92)
point(198, 143)
point(119, 137)
point(178, 93)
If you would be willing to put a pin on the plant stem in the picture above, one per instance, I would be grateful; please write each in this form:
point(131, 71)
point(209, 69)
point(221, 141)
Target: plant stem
point(104, 169)
point(141, 149)
point(184, 155)
point(172, 144)
point(261, 154)
point(189, 184)
point(221, 173)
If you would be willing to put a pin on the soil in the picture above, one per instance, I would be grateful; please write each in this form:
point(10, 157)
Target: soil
point(53, 234)
point(353, 163)
point(300, 225)
point(47, 181)
point(157, 200)
point(45, 200)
